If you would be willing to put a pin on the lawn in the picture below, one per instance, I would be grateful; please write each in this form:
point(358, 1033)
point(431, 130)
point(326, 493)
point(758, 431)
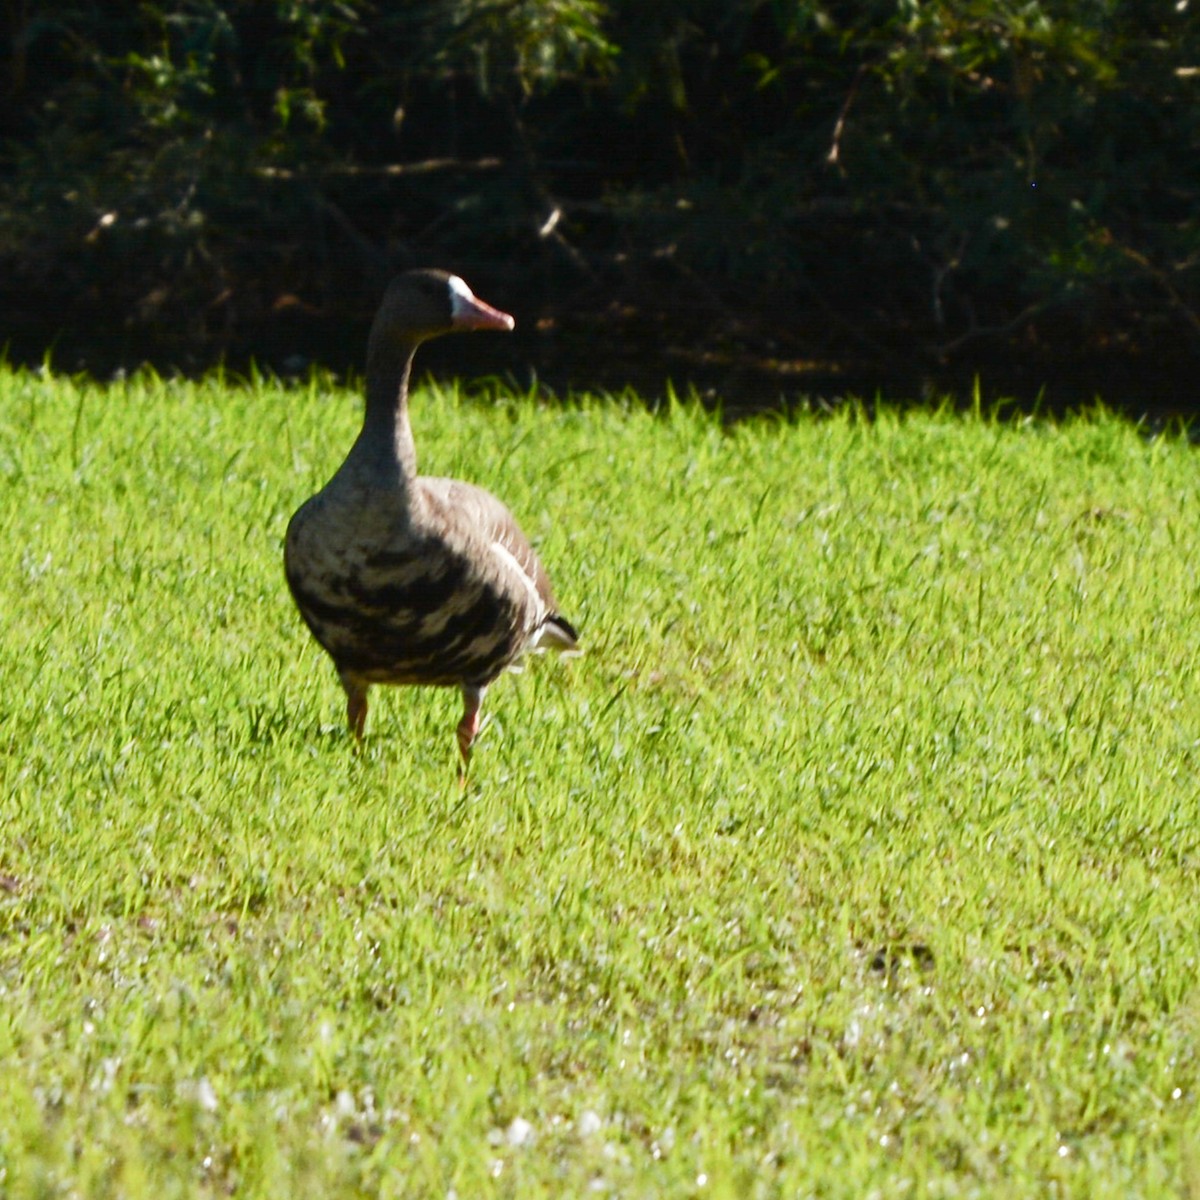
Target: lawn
point(858, 855)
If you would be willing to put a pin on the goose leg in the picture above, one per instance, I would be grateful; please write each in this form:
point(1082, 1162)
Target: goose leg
point(356, 705)
point(468, 727)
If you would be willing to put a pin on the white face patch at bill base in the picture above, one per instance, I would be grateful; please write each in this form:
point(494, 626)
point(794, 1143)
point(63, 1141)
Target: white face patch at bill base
point(462, 299)
point(467, 311)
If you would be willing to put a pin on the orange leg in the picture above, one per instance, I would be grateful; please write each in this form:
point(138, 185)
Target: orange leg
point(468, 727)
point(356, 706)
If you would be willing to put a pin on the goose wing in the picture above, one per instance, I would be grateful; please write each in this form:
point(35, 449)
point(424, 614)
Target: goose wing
point(470, 508)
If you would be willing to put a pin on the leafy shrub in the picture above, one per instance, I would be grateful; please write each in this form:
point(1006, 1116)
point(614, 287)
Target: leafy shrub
point(179, 179)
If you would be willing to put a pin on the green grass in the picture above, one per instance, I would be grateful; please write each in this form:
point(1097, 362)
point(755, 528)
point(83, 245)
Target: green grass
point(858, 856)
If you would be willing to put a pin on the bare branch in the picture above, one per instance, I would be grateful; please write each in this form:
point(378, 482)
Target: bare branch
point(834, 155)
point(427, 166)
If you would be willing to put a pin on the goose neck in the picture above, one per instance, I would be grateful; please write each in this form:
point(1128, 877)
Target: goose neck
point(386, 431)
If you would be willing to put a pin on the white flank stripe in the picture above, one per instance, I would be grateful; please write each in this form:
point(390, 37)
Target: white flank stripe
point(509, 559)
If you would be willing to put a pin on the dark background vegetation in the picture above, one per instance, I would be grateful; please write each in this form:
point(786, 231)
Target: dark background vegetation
point(756, 196)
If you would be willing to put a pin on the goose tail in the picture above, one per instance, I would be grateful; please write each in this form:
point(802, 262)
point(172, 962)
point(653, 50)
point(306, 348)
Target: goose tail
point(556, 633)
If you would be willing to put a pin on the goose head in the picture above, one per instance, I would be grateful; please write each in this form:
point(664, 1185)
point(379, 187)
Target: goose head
point(420, 305)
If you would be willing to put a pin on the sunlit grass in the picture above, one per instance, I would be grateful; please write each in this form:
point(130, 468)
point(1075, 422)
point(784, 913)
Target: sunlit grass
point(857, 856)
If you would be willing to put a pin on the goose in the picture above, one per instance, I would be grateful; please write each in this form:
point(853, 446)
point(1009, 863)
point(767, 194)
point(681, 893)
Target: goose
point(413, 579)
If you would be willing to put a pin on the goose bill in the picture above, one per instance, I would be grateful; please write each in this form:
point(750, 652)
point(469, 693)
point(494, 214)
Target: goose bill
point(469, 312)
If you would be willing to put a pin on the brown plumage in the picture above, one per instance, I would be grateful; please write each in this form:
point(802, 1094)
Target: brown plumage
point(409, 579)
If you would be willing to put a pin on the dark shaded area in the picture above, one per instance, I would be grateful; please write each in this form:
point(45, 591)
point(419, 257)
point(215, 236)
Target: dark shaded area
point(759, 201)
